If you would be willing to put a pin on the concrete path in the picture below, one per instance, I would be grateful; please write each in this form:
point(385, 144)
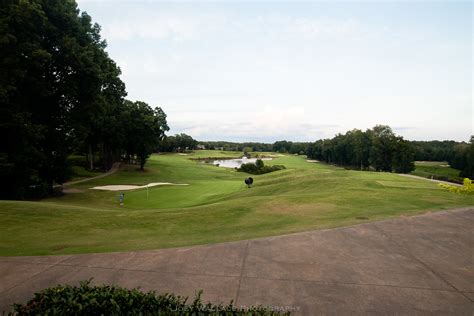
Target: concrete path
point(412, 265)
point(115, 167)
point(427, 179)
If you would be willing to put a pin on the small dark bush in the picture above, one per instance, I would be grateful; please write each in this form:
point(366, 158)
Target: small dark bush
point(259, 167)
point(112, 300)
point(249, 168)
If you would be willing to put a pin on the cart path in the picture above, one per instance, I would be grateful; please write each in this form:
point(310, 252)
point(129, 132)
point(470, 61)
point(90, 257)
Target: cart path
point(432, 180)
point(408, 265)
point(115, 167)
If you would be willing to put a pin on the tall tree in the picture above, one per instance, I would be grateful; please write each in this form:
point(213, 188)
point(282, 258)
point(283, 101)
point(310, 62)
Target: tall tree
point(55, 80)
point(381, 153)
point(145, 128)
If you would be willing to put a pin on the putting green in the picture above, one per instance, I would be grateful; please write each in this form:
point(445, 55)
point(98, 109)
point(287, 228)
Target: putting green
point(216, 206)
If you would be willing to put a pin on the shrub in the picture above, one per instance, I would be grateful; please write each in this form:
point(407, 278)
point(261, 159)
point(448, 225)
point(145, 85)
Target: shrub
point(111, 300)
point(249, 168)
point(467, 188)
point(259, 167)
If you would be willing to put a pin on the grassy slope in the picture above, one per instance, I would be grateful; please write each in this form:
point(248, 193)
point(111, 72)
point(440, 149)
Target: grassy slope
point(438, 168)
point(215, 207)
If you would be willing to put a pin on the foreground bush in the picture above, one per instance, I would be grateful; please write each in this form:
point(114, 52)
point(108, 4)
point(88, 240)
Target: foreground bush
point(112, 300)
point(467, 188)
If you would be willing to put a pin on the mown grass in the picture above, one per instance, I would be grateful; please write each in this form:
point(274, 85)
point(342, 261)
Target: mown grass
point(436, 169)
point(215, 207)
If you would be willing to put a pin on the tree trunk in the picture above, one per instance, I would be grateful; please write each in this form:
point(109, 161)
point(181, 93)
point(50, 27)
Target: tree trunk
point(91, 158)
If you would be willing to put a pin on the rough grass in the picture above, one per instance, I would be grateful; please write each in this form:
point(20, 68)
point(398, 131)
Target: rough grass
point(215, 207)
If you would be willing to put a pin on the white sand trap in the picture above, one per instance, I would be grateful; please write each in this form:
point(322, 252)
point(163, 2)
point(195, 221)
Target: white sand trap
point(125, 187)
point(309, 160)
point(182, 154)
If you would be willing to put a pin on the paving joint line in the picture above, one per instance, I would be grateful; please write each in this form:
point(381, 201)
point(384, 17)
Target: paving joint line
point(244, 258)
point(355, 284)
point(33, 276)
point(250, 277)
point(402, 245)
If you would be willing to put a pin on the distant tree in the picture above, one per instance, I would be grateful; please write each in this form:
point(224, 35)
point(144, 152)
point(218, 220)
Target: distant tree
point(381, 154)
point(178, 142)
point(247, 150)
point(360, 144)
point(468, 170)
point(281, 146)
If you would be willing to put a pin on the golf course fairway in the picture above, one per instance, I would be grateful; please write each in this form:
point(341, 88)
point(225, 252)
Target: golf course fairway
point(215, 206)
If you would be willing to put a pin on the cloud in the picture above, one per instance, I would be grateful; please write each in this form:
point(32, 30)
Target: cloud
point(269, 124)
point(161, 28)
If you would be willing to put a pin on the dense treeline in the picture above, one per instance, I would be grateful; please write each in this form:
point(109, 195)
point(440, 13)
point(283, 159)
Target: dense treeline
point(284, 146)
point(378, 148)
point(459, 155)
point(177, 143)
point(232, 146)
point(463, 159)
point(60, 92)
point(434, 150)
point(279, 146)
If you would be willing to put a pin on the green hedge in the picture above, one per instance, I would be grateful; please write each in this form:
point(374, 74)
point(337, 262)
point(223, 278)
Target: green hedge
point(111, 300)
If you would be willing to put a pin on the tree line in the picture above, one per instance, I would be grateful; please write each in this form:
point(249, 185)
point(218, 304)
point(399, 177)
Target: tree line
point(459, 155)
point(282, 146)
point(177, 143)
point(378, 148)
point(60, 93)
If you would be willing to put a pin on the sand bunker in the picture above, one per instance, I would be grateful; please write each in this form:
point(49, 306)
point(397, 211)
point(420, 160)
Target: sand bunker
point(124, 187)
point(309, 160)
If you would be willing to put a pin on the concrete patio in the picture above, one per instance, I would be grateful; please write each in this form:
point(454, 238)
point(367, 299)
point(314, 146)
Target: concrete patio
point(410, 265)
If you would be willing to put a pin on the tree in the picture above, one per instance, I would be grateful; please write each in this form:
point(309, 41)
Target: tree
point(468, 170)
point(247, 150)
point(145, 128)
point(54, 73)
point(259, 163)
point(360, 148)
point(378, 147)
point(403, 156)
point(381, 153)
point(281, 146)
point(177, 143)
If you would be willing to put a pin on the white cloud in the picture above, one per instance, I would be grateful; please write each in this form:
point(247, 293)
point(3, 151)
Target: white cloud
point(171, 28)
point(268, 124)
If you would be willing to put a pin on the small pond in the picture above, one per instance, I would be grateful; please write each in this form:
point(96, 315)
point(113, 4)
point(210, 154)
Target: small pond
point(234, 163)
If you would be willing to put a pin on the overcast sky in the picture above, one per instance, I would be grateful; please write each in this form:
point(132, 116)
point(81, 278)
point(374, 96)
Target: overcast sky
point(266, 71)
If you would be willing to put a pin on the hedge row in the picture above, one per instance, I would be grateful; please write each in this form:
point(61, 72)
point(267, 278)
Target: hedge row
point(112, 300)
